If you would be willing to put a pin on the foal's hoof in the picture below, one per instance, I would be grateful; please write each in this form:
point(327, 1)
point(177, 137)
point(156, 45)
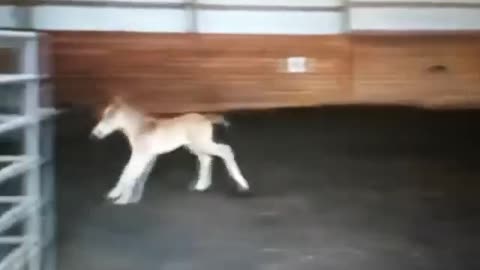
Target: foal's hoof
point(114, 194)
point(193, 187)
point(240, 191)
point(111, 199)
point(123, 200)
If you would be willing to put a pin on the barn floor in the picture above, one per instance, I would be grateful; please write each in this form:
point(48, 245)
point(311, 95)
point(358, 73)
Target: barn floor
point(351, 188)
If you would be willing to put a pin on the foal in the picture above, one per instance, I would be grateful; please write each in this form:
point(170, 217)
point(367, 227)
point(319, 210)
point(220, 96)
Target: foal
point(149, 137)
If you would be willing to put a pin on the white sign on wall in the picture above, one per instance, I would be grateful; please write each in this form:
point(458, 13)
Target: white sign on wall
point(297, 64)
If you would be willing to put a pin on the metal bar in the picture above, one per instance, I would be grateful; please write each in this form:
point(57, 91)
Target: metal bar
point(32, 252)
point(48, 178)
point(17, 34)
point(32, 207)
point(46, 113)
point(50, 253)
point(10, 123)
point(24, 17)
point(32, 189)
point(12, 199)
point(11, 240)
point(17, 213)
point(4, 158)
point(193, 24)
point(346, 19)
point(19, 78)
point(48, 233)
point(16, 258)
point(15, 169)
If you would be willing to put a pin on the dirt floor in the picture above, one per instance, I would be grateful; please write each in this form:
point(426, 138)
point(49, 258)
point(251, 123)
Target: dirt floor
point(334, 188)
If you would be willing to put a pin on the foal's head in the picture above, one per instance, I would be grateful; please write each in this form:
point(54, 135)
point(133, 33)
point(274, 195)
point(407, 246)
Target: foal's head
point(112, 118)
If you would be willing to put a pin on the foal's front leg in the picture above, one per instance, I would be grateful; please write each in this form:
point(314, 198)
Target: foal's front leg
point(139, 187)
point(122, 192)
point(204, 180)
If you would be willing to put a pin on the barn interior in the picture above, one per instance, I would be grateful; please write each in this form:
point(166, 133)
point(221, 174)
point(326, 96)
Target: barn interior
point(353, 121)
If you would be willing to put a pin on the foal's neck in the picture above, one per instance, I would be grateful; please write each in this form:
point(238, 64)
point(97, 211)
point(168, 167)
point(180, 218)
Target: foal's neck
point(134, 122)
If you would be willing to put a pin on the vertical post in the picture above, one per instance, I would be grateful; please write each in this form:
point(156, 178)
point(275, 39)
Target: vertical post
point(193, 23)
point(346, 21)
point(29, 64)
point(47, 195)
point(23, 15)
point(49, 198)
point(48, 169)
point(52, 265)
point(347, 28)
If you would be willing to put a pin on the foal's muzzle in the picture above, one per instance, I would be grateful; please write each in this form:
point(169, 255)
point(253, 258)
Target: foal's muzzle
point(92, 136)
point(95, 135)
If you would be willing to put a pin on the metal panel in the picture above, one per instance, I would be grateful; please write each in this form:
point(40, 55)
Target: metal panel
point(16, 168)
point(28, 208)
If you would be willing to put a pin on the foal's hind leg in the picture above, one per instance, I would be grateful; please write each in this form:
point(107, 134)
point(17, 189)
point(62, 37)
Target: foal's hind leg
point(225, 152)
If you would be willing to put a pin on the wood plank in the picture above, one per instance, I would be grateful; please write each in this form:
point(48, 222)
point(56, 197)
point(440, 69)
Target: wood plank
point(417, 69)
point(187, 72)
point(170, 73)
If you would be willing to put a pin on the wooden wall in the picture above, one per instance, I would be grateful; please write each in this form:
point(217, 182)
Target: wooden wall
point(425, 69)
point(214, 72)
point(208, 72)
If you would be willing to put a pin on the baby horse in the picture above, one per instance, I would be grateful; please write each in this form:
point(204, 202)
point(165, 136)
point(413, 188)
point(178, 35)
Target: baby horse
point(149, 137)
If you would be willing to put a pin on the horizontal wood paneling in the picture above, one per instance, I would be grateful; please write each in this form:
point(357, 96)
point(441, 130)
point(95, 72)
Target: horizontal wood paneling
point(186, 72)
point(431, 69)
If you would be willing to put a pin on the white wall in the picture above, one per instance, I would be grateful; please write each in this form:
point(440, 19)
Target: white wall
point(258, 22)
point(230, 2)
point(417, 1)
point(9, 17)
point(110, 19)
point(213, 19)
point(150, 19)
point(415, 19)
point(426, 17)
point(296, 3)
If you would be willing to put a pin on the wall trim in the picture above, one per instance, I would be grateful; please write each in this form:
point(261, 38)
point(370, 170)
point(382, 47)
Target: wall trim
point(93, 3)
point(170, 5)
point(270, 8)
point(415, 33)
point(410, 4)
point(180, 4)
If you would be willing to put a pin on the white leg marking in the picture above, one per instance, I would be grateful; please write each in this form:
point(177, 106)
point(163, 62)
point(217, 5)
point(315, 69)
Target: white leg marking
point(204, 173)
point(226, 153)
point(115, 192)
point(131, 173)
point(140, 185)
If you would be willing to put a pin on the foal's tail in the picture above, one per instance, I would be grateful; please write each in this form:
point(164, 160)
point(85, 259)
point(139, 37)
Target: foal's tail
point(217, 119)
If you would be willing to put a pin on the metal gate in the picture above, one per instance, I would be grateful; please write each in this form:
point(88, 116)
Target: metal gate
point(27, 216)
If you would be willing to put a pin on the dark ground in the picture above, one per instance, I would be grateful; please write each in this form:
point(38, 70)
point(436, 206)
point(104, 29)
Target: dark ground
point(351, 188)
